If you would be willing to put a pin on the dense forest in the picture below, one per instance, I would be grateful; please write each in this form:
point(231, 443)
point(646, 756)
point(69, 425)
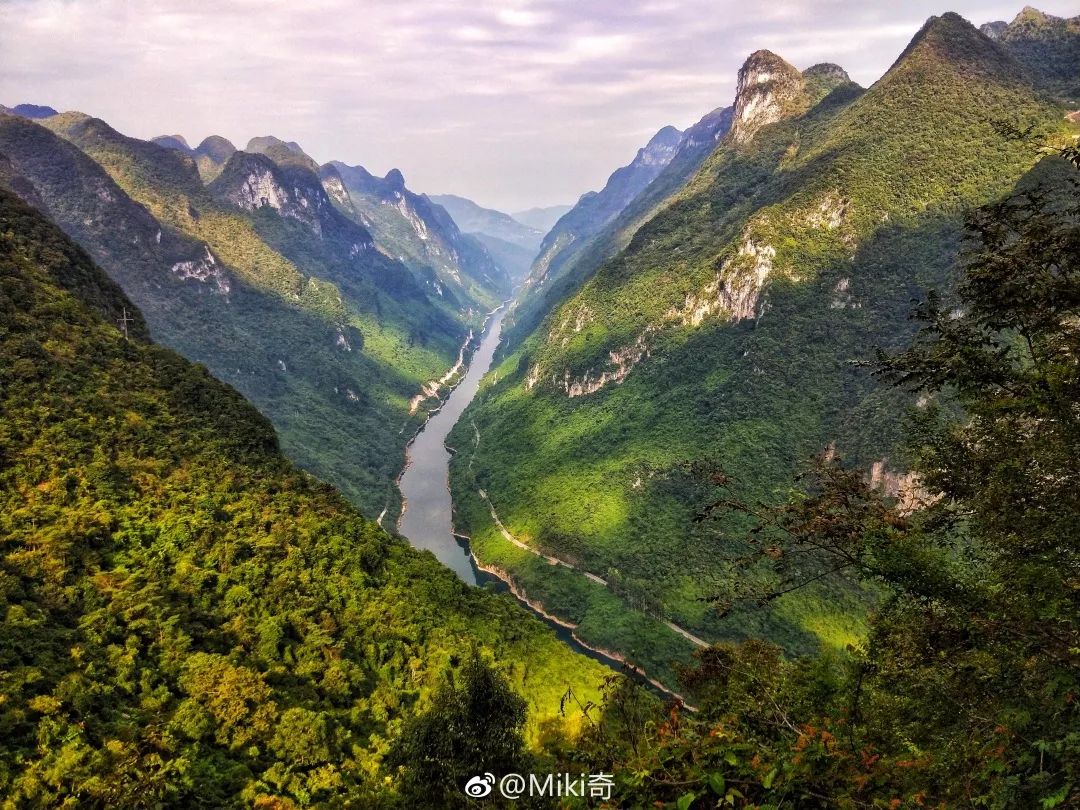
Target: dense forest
point(731, 329)
point(187, 616)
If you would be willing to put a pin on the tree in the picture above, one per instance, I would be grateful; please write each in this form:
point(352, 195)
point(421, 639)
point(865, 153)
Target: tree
point(473, 726)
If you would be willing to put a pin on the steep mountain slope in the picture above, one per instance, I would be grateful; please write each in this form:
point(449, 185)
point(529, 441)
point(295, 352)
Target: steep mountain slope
point(1048, 46)
point(597, 208)
point(331, 346)
point(542, 294)
point(189, 619)
point(541, 219)
point(455, 266)
point(511, 244)
point(724, 334)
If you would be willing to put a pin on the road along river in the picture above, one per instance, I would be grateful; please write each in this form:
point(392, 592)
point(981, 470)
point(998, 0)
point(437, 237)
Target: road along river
point(427, 520)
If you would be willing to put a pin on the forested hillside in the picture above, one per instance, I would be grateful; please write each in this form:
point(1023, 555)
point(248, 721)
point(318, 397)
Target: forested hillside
point(188, 618)
point(727, 334)
point(262, 279)
point(965, 693)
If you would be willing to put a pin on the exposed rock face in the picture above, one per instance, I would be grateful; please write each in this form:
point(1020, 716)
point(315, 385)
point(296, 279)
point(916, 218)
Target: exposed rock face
point(335, 188)
point(205, 270)
point(905, 488)
point(768, 90)
point(712, 127)
point(621, 361)
point(412, 228)
point(735, 290)
point(251, 181)
point(660, 149)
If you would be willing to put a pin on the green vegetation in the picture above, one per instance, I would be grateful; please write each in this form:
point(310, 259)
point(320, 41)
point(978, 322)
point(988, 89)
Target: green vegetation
point(843, 215)
point(331, 347)
point(965, 694)
point(188, 618)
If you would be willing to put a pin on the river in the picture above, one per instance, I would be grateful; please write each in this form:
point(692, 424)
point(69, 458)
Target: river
point(427, 520)
point(425, 483)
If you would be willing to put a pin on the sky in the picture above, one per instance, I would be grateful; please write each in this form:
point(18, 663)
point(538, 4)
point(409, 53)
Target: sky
point(513, 103)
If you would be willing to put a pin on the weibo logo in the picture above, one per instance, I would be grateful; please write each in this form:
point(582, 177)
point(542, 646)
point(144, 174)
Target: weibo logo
point(480, 786)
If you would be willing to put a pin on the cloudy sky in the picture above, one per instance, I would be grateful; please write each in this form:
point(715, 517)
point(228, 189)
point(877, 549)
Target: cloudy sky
point(511, 102)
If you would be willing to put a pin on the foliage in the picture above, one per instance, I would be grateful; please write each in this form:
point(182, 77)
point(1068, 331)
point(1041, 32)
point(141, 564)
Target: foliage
point(470, 728)
point(330, 350)
point(186, 617)
point(966, 692)
point(858, 205)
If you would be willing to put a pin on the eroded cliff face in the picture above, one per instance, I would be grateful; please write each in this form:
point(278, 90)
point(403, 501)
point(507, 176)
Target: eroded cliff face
point(768, 90)
point(205, 270)
point(254, 181)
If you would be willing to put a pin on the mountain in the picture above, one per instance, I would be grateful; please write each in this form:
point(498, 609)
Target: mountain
point(210, 155)
point(1048, 46)
point(511, 244)
point(724, 334)
point(541, 219)
point(411, 228)
point(267, 285)
point(189, 618)
point(33, 111)
point(540, 294)
point(596, 208)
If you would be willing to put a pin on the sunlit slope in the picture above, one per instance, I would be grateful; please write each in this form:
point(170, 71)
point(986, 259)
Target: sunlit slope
point(725, 334)
point(188, 617)
point(329, 345)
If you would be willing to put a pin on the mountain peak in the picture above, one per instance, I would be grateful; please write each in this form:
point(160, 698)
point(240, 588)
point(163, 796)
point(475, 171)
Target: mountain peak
point(395, 179)
point(217, 148)
point(176, 142)
point(768, 90)
point(950, 40)
point(34, 111)
point(660, 148)
point(827, 70)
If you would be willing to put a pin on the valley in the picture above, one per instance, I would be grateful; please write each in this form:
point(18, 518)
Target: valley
point(749, 479)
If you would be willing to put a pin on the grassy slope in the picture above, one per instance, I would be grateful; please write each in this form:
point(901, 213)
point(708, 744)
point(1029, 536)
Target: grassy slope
point(186, 615)
point(599, 478)
point(286, 306)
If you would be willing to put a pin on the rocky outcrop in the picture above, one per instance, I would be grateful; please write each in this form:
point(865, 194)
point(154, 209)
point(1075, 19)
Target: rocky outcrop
point(768, 90)
point(252, 182)
point(621, 361)
point(905, 488)
point(206, 271)
point(415, 230)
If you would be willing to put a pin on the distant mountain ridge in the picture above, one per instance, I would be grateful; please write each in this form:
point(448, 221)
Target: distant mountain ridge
point(258, 276)
point(35, 111)
point(413, 229)
point(1048, 46)
point(542, 219)
point(596, 208)
point(510, 243)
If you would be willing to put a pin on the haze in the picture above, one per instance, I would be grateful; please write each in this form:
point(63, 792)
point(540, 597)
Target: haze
point(513, 104)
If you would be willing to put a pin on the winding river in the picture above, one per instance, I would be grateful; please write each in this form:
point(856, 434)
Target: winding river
point(427, 520)
point(424, 485)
